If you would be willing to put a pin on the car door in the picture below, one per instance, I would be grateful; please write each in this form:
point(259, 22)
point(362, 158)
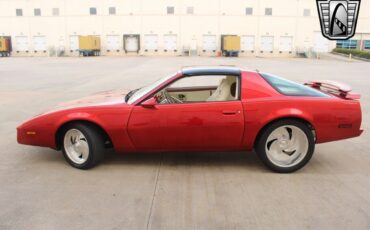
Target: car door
point(201, 126)
point(193, 126)
point(145, 128)
point(208, 122)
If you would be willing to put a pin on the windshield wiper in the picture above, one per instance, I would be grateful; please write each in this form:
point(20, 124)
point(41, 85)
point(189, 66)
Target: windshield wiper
point(132, 92)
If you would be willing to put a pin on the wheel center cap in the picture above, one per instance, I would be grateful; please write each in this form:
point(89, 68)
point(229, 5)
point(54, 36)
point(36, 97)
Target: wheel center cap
point(283, 143)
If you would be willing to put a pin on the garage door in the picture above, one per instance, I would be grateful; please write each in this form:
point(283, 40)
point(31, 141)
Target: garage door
point(286, 44)
point(267, 43)
point(209, 43)
point(151, 42)
point(21, 43)
point(247, 43)
point(73, 42)
point(39, 43)
point(170, 42)
point(113, 42)
point(132, 44)
point(320, 43)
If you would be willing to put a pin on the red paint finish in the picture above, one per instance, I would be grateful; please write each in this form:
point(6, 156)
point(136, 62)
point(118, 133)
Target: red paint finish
point(195, 126)
point(203, 126)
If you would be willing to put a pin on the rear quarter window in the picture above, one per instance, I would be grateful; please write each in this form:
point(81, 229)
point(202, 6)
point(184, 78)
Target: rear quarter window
point(291, 88)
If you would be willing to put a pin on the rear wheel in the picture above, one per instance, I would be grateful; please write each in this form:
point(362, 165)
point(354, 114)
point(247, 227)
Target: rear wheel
point(82, 146)
point(286, 146)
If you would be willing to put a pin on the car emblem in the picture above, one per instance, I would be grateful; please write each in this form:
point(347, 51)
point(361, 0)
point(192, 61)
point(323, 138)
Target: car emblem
point(338, 18)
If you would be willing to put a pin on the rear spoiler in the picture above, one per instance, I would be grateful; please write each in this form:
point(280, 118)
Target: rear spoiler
point(335, 88)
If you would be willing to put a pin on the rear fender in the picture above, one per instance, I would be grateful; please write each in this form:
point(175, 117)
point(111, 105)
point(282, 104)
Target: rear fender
point(254, 128)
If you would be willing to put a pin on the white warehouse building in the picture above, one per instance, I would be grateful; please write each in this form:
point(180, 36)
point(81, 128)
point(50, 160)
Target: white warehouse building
point(171, 27)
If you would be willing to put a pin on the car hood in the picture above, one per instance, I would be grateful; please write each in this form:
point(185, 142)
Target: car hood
point(102, 98)
point(99, 99)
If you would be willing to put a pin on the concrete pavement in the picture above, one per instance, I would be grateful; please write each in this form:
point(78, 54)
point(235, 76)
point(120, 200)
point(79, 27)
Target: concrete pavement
point(39, 190)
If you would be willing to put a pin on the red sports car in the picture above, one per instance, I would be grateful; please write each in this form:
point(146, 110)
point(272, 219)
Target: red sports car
point(203, 109)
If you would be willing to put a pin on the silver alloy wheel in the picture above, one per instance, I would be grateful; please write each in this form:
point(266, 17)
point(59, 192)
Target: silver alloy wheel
point(286, 146)
point(76, 146)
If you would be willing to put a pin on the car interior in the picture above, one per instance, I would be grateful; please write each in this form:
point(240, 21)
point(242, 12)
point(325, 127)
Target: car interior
point(200, 89)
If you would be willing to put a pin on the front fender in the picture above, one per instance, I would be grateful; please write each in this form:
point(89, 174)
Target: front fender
point(42, 130)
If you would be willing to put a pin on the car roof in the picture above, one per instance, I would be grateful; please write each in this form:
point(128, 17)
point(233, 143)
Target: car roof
point(215, 70)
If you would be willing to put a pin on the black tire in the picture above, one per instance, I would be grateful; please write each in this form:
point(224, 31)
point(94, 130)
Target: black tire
point(261, 145)
point(94, 140)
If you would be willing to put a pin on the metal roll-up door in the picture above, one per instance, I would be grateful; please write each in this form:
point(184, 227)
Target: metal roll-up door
point(209, 43)
point(113, 43)
point(131, 43)
point(170, 42)
point(151, 42)
point(21, 43)
point(247, 43)
point(286, 44)
point(39, 43)
point(267, 44)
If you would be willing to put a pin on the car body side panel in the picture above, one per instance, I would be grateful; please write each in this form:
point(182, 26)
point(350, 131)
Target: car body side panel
point(113, 119)
point(332, 118)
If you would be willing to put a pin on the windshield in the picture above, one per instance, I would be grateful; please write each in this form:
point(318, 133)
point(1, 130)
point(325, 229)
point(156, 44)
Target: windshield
point(146, 89)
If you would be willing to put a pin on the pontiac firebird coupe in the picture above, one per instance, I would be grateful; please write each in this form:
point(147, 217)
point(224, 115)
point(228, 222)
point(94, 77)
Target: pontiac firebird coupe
point(203, 109)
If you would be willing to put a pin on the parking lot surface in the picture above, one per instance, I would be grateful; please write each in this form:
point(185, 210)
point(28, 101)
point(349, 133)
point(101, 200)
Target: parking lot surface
point(39, 190)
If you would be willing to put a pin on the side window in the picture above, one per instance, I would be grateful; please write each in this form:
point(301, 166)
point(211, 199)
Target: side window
point(291, 88)
point(200, 89)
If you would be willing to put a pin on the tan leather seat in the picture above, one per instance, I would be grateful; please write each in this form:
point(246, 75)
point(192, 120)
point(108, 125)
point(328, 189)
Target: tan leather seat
point(223, 91)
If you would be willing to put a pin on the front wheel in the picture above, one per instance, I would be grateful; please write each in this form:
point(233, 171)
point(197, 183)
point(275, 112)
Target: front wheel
point(286, 146)
point(82, 146)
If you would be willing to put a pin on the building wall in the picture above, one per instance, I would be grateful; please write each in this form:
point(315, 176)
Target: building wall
point(149, 17)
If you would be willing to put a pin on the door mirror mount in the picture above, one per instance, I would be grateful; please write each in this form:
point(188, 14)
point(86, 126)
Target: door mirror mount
point(150, 103)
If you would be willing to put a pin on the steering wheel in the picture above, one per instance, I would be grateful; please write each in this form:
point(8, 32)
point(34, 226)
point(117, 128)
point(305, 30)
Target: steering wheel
point(176, 100)
point(171, 99)
point(167, 97)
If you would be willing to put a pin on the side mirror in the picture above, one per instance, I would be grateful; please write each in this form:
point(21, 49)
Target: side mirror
point(150, 103)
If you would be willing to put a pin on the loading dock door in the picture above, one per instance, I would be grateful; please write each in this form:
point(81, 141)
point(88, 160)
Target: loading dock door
point(73, 43)
point(113, 42)
point(151, 42)
point(21, 43)
point(285, 44)
point(209, 43)
point(267, 43)
point(247, 43)
point(320, 44)
point(39, 43)
point(131, 43)
point(170, 42)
